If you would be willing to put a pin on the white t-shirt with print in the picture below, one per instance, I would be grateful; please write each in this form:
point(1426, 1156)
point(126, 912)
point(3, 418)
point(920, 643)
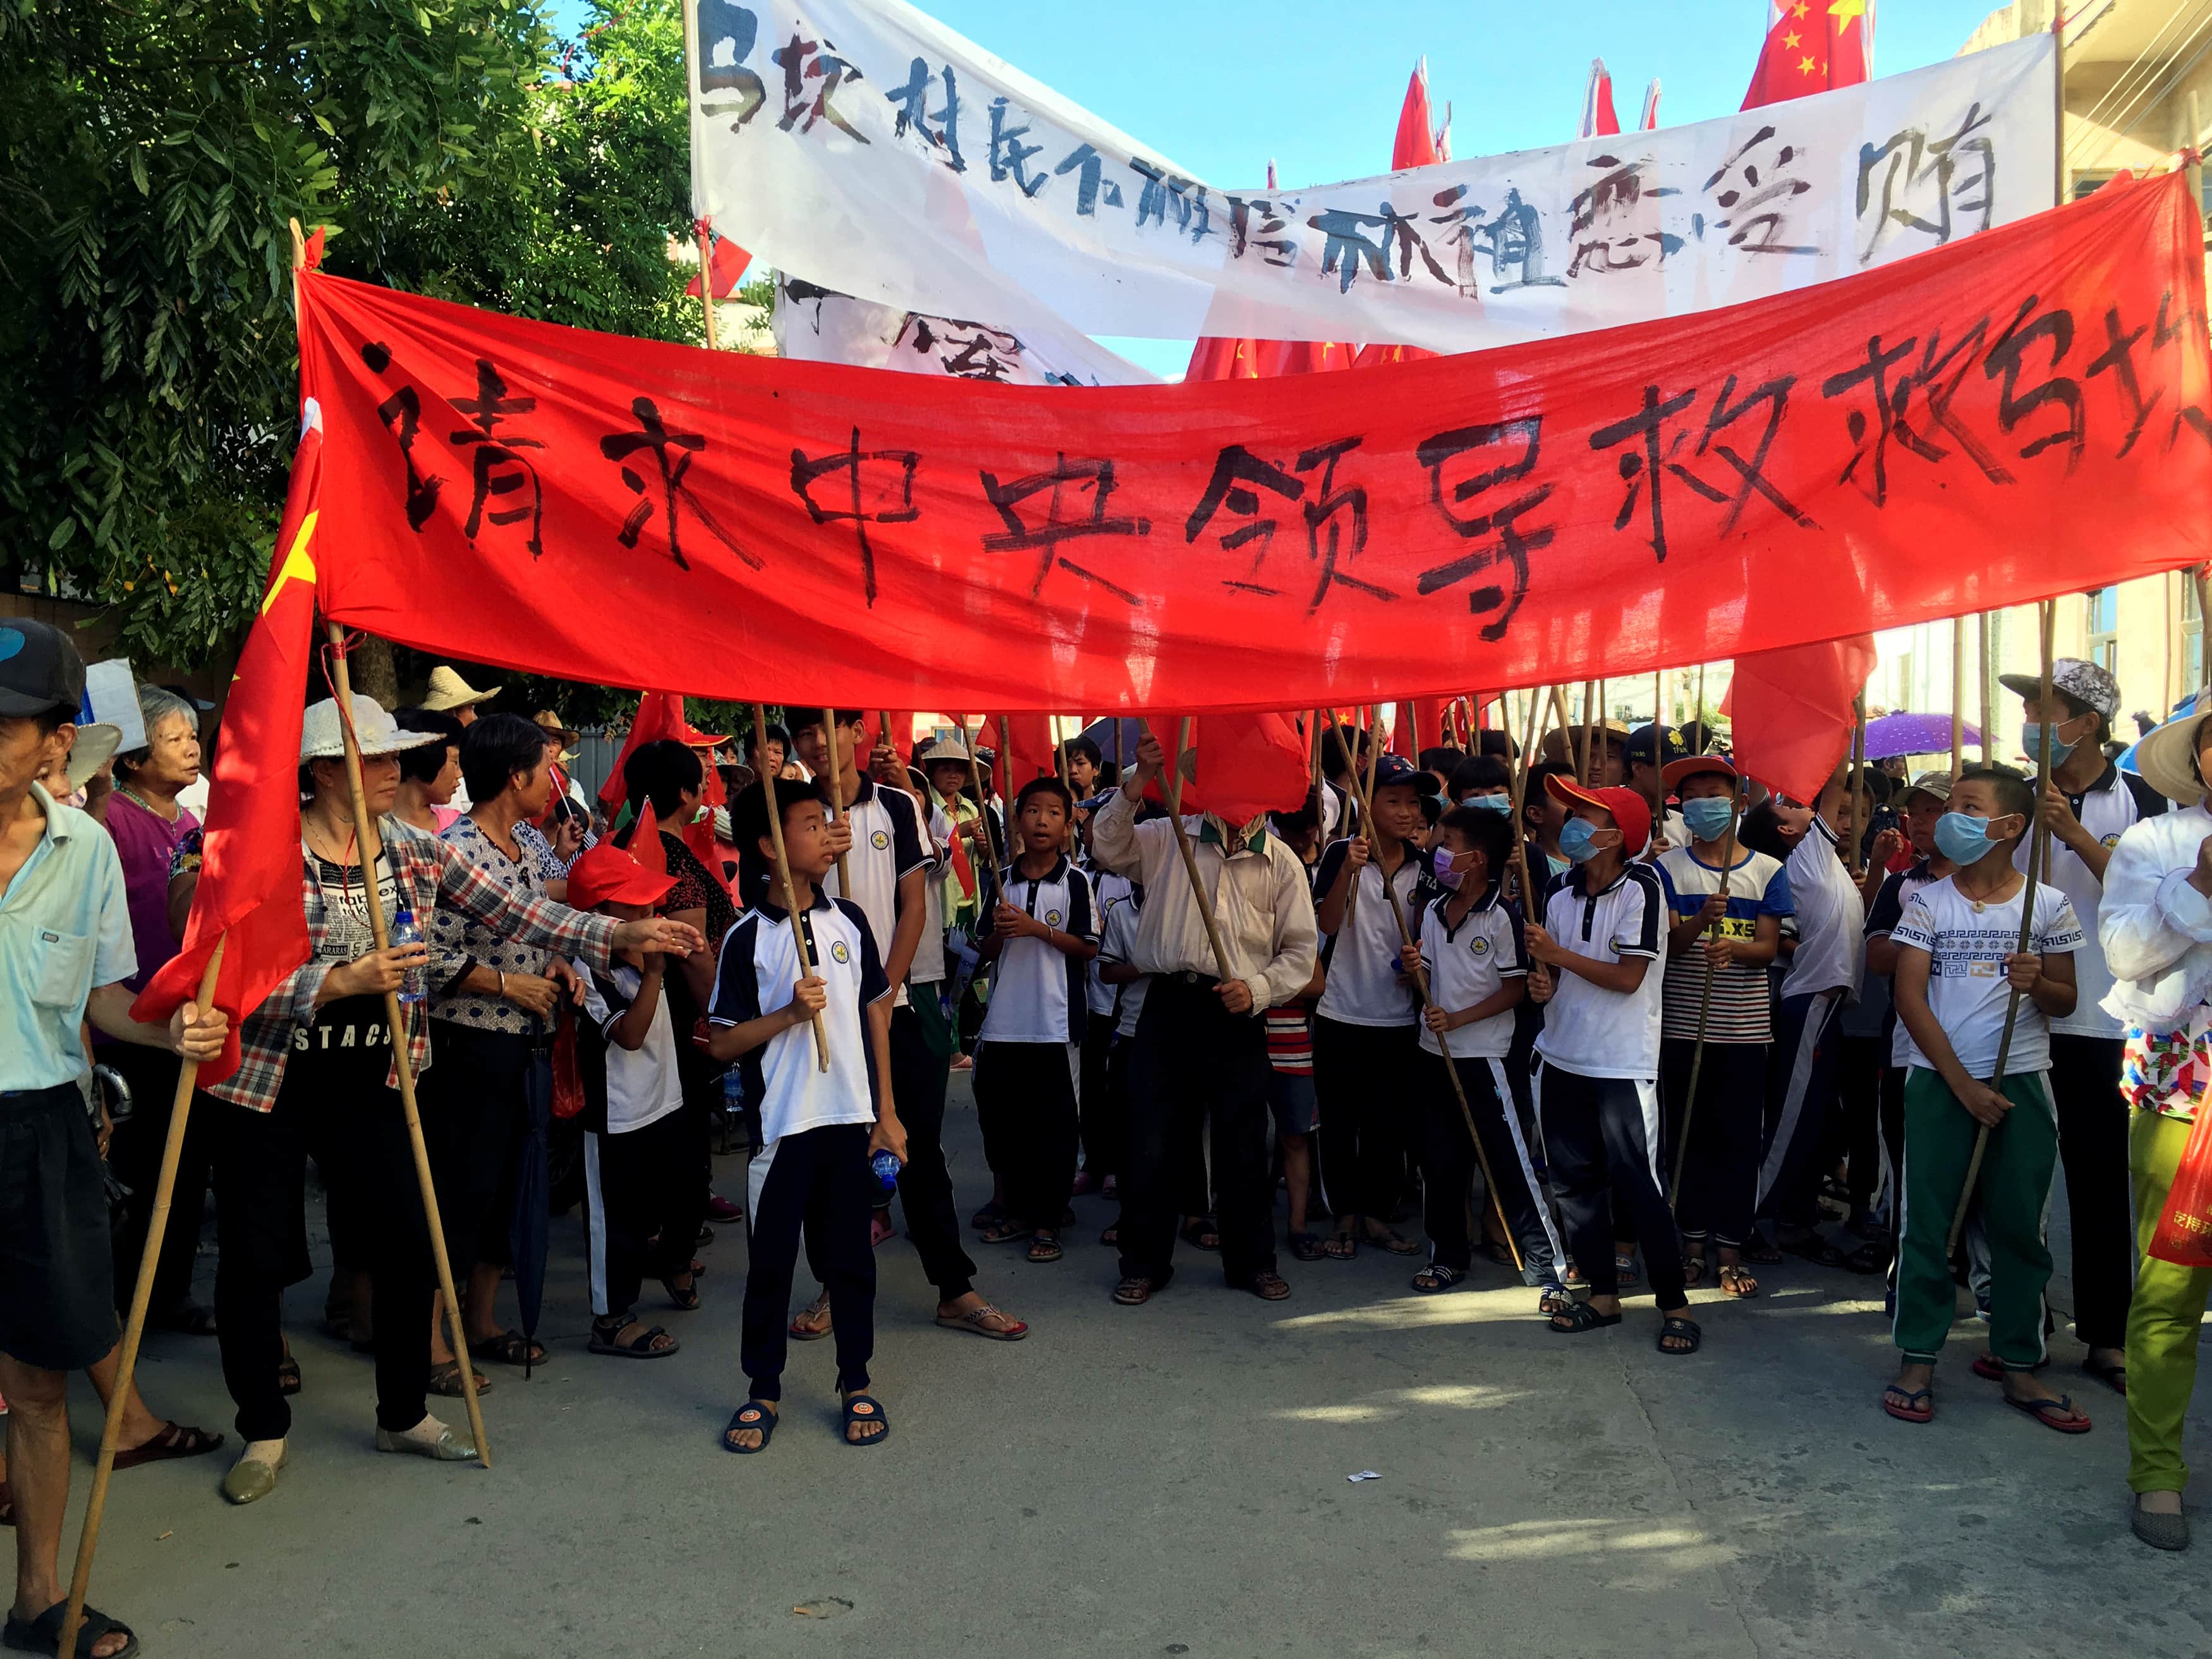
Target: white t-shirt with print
point(643, 1086)
point(1968, 990)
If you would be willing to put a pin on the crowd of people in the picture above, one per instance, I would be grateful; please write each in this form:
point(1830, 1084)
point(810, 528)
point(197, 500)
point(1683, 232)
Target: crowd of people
point(1607, 1015)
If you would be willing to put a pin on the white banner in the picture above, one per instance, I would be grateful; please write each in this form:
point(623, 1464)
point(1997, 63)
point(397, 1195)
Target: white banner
point(818, 325)
point(862, 145)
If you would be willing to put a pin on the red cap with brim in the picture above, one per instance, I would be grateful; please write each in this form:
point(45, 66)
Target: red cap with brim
point(1628, 809)
point(604, 873)
point(1691, 765)
point(692, 737)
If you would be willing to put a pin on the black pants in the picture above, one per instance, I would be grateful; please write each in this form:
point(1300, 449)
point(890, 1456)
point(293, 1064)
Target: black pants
point(1893, 1142)
point(641, 1208)
point(816, 1184)
point(1367, 1076)
point(1097, 1134)
point(1191, 1057)
point(1025, 1098)
point(1598, 1137)
point(1863, 1062)
point(924, 1186)
point(475, 1119)
point(1802, 1074)
point(134, 1156)
point(1106, 1125)
point(260, 1165)
point(1448, 1163)
point(2093, 1143)
point(1720, 1171)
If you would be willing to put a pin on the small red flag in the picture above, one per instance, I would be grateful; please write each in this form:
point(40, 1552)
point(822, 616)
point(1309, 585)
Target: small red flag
point(726, 265)
point(1238, 766)
point(1793, 724)
point(1598, 119)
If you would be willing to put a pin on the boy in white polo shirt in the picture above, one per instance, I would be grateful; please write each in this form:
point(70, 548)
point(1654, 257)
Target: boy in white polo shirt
point(1956, 970)
point(1042, 934)
point(819, 1129)
point(1603, 965)
point(1468, 939)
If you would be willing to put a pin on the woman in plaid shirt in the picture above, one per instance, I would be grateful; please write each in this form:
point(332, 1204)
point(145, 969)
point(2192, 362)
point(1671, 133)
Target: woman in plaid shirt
point(316, 1047)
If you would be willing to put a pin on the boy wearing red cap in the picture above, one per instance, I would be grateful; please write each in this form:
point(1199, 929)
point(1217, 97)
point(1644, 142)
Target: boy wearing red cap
point(1601, 968)
point(637, 1150)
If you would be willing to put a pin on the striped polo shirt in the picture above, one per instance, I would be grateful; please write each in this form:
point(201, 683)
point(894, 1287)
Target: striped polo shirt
point(1740, 1010)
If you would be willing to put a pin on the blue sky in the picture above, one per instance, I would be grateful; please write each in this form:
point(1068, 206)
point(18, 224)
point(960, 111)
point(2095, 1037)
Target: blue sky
point(1223, 85)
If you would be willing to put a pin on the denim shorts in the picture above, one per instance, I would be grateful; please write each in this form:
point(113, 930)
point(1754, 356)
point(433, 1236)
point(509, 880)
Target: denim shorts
point(1290, 1096)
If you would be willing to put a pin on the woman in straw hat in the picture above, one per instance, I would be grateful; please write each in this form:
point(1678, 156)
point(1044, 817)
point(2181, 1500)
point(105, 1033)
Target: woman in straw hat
point(2155, 926)
point(319, 1045)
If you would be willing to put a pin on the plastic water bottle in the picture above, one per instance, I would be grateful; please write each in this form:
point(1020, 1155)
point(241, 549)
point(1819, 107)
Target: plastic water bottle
point(734, 1092)
point(414, 984)
point(885, 1163)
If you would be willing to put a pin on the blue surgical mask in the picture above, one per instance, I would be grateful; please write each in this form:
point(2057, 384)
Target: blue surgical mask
point(1709, 816)
point(2030, 742)
point(1960, 838)
point(1579, 841)
point(1440, 860)
point(1488, 803)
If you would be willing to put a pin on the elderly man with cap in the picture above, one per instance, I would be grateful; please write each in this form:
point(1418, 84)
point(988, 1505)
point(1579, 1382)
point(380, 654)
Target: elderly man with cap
point(1200, 1046)
point(1602, 964)
point(65, 950)
point(2154, 933)
point(2091, 805)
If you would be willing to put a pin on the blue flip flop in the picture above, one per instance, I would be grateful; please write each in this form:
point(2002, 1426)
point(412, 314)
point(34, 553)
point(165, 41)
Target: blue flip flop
point(762, 1419)
point(874, 1414)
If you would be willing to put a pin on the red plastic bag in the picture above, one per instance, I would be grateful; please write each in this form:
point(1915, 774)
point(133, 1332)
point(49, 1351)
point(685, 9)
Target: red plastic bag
point(567, 1075)
point(2184, 1230)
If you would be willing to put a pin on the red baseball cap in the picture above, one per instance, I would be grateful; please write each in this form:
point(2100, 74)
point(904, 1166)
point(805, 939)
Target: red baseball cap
point(1630, 809)
point(603, 872)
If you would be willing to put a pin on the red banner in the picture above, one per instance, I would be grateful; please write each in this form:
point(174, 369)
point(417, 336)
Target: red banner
point(2021, 414)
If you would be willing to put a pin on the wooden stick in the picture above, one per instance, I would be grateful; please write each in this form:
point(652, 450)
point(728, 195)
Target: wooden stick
point(1658, 750)
point(2197, 574)
point(1705, 1005)
point(982, 801)
point(1597, 738)
point(829, 730)
point(1173, 792)
point(1444, 1038)
point(693, 65)
point(1958, 698)
point(366, 837)
point(134, 1327)
point(2058, 102)
point(1704, 732)
point(790, 890)
point(1860, 805)
point(2039, 856)
point(1520, 804)
point(1582, 737)
point(1989, 677)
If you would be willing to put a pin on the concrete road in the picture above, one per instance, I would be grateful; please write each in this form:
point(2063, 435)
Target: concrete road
point(1170, 1480)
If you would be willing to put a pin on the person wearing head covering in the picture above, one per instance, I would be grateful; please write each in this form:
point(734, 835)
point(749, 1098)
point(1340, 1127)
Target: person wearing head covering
point(321, 1044)
point(449, 693)
point(2155, 928)
point(2090, 805)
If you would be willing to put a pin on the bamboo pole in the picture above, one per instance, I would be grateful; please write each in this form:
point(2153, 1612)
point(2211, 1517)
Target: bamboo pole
point(790, 890)
point(1860, 805)
point(2058, 102)
point(1958, 698)
point(1704, 1004)
point(2198, 574)
point(1173, 792)
point(1318, 797)
point(1444, 1038)
point(836, 769)
point(1989, 677)
point(1583, 748)
point(134, 1327)
point(692, 66)
point(366, 837)
point(982, 801)
point(1704, 732)
point(2193, 160)
point(1658, 748)
point(2039, 854)
point(1520, 805)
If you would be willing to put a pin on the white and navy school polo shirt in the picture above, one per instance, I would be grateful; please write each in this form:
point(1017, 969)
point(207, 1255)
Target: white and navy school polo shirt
point(1037, 993)
point(1596, 1032)
point(756, 974)
point(1469, 964)
point(1366, 985)
point(888, 844)
point(2108, 809)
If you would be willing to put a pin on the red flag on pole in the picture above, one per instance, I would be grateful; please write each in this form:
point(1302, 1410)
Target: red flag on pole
point(1213, 358)
point(1795, 721)
point(1813, 45)
point(1238, 766)
point(1649, 121)
point(249, 883)
point(725, 265)
point(1598, 119)
point(1414, 146)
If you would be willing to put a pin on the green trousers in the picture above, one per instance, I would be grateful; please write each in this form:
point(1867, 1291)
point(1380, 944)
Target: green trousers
point(2165, 1319)
point(2014, 1186)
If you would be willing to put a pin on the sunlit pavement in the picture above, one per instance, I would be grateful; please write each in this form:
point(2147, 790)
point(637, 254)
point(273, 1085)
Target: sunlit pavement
point(1171, 1480)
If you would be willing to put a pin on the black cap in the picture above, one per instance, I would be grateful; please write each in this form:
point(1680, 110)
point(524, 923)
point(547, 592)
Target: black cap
point(1646, 742)
point(40, 669)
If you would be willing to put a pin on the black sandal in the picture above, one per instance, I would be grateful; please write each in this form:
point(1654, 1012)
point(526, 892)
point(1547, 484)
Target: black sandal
point(1439, 1278)
point(1202, 1232)
point(1577, 1317)
point(1682, 1330)
point(1306, 1247)
point(753, 1414)
point(606, 1331)
point(287, 1375)
point(1045, 1247)
point(685, 1297)
point(865, 1409)
point(509, 1348)
point(43, 1633)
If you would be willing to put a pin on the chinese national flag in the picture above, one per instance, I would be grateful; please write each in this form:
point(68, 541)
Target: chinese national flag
point(1024, 752)
point(1238, 766)
point(1813, 45)
point(249, 886)
point(660, 715)
point(1415, 146)
point(1215, 358)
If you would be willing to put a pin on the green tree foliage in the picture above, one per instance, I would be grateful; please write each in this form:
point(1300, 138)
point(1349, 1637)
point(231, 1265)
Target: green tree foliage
point(153, 154)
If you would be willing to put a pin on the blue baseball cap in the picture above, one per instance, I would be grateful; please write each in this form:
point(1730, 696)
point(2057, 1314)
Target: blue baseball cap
point(1390, 770)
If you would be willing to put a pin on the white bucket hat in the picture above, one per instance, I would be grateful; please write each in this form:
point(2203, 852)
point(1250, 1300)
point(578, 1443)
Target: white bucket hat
point(94, 745)
point(2167, 759)
point(449, 691)
point(322, 737)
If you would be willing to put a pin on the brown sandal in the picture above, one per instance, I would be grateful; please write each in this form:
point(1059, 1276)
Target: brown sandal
point(446, 1382)
point(170, 1440)
point(1736, 1282)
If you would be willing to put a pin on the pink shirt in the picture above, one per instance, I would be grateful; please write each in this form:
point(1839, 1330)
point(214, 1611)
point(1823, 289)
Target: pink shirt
point(145, 839)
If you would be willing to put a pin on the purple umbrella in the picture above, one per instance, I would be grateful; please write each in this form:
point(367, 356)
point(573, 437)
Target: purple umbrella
point(1914, 734)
